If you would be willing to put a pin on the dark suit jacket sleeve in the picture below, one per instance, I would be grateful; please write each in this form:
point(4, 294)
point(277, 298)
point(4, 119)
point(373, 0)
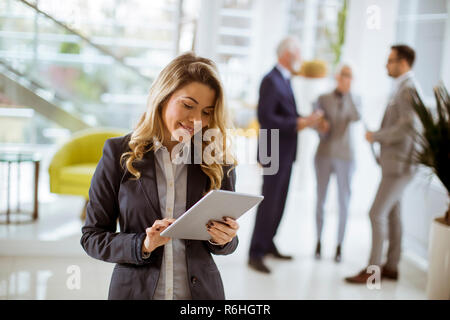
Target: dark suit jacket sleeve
point(100, 239)
point(228, 183)
point(269, 98)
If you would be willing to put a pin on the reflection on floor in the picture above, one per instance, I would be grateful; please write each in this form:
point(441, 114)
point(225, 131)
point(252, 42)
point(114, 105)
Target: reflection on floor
point(38, 261)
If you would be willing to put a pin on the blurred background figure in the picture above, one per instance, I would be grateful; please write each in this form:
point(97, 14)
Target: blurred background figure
point(277, 110)
point(335, 153)
point(397, 144)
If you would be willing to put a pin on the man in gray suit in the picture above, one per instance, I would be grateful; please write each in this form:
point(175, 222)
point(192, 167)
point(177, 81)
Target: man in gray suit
point(396, 146)
point(334, 154)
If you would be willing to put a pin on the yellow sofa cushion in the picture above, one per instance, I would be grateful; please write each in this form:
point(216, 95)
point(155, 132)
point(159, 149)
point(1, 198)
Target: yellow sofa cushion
point(73, 165)
point(77, 174)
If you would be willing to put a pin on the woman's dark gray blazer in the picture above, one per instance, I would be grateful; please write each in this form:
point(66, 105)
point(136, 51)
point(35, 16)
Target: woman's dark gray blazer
point(115, 195)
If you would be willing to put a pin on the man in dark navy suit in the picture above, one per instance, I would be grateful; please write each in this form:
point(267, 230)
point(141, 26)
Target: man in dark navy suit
point(277, 148)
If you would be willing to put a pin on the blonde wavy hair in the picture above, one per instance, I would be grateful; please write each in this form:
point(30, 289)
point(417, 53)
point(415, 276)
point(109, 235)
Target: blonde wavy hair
point(181, 71)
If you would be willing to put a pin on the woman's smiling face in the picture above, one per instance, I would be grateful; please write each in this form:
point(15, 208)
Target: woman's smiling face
point(189, 105)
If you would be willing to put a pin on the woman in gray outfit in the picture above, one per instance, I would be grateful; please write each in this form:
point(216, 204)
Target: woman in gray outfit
point(335, 153)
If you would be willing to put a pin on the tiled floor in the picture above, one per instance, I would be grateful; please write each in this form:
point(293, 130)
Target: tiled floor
point(36, 261)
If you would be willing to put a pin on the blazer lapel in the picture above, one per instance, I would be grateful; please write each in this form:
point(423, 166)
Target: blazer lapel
point(393, 101)
point(291, 92)
point(286, 84)
point(196, 182)
point(148, 182)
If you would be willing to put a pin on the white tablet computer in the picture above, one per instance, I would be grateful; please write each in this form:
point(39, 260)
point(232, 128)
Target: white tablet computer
point(215, 205)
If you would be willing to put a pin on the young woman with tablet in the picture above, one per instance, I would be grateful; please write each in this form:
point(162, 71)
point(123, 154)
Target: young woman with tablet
point(141, 183)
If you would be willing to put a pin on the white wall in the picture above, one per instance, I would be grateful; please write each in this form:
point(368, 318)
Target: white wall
point(208, 24)
point(446, 54)
point(270, 25)
point(370, 31)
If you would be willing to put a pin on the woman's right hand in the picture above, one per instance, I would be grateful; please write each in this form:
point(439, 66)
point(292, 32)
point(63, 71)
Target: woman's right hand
point(153, 239)
point(323, 126)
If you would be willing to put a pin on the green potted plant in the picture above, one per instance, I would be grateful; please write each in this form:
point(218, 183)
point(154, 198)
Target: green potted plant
point(434, 152)
point(337, 39)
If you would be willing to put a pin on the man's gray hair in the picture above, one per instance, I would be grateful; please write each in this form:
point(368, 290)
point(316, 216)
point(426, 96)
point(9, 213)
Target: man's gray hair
point(342, 65)
point(290, 44)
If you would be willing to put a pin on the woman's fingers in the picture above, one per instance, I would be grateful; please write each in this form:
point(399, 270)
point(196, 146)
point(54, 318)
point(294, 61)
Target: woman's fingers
point(222, 232)
point(160, 225)
point(218, 236)
point(154, 239)
point(214, 225)
point(229, 228)
point(231, 222)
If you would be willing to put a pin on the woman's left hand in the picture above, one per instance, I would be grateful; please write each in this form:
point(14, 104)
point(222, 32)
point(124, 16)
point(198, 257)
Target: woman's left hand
point(222, 232)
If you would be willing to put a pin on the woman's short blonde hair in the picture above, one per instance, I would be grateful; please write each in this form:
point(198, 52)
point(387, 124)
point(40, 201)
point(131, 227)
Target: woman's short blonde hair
point(181, 71)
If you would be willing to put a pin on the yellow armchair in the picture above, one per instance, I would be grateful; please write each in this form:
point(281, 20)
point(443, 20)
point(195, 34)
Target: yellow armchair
point(73, 165)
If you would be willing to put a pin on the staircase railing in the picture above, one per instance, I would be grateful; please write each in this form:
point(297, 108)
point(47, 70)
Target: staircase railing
point(86, 39)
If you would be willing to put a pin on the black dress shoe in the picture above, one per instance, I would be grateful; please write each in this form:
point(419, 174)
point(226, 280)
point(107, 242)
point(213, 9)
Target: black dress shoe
point(361, 278)
point(276, 254)
point(337, 257)
point(389, 274)
point(258, 265)
point(317, 253)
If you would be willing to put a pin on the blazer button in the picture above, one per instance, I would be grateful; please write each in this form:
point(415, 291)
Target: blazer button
point(194, 280)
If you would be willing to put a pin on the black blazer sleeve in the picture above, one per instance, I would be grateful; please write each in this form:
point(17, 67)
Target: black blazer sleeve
point(228, 183)
point(99, 237)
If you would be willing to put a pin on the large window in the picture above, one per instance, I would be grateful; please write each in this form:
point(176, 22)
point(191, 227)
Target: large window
point(104, 80)
point(145, 36)
point(234, 45)
point(315, 23)
point(422, 25)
